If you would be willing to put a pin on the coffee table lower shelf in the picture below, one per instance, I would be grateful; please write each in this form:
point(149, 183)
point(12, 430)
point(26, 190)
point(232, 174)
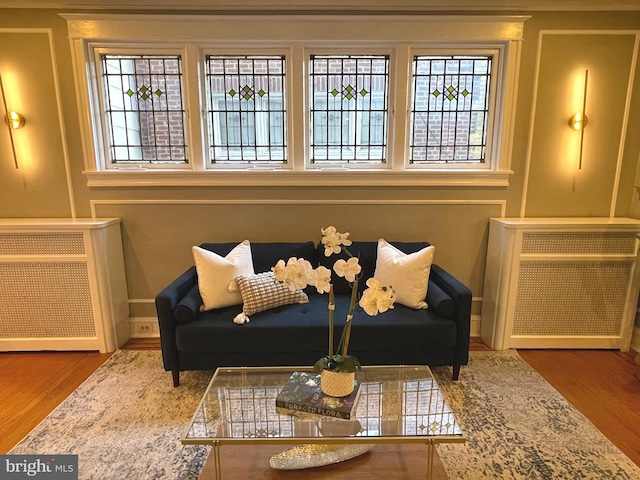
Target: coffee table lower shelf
point(388, 461)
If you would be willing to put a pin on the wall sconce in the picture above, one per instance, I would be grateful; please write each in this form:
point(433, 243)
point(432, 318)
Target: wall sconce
point(14, 120)
point(579, 120)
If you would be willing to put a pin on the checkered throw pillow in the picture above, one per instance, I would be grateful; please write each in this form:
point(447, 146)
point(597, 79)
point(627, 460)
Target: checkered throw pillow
point(262, 291)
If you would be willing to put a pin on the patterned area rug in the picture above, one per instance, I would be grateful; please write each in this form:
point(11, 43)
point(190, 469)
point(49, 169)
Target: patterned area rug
point(519, 427)
point(126, 420)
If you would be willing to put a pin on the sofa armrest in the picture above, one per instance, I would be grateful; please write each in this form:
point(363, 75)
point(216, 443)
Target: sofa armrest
point(461, 295)
point(166, 301)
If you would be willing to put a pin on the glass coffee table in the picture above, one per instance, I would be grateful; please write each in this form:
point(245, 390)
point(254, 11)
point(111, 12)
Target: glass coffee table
point(396, 405)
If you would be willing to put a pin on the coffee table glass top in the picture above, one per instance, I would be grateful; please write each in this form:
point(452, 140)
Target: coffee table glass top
point(396, 404)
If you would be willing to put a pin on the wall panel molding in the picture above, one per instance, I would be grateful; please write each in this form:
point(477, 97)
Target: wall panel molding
point(534, 106)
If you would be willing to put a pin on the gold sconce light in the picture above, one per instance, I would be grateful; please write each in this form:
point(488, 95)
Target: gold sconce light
point(579, 121)
point(13, 119)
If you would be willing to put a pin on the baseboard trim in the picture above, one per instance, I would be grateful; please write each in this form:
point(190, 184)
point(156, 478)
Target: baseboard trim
point(635, 339)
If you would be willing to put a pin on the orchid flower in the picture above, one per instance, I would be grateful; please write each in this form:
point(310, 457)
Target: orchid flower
point(322, 279)
point(296, 274)
point(332, 239)
point(377, 298)
point(347, 269)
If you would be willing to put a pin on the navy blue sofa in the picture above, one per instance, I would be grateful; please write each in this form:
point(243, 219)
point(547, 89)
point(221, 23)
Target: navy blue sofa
point(294, 335)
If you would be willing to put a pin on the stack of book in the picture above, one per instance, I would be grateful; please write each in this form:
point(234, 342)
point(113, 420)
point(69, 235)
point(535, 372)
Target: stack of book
point(302, 394)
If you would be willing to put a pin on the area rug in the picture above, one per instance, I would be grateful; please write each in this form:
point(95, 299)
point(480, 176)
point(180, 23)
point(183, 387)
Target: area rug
point(125, 422)
point(519, 427)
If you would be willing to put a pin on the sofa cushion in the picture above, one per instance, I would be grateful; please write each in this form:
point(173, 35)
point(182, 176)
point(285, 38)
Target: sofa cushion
point(262, 291)
point(300, 327)
point(441, 301)
point(407, 274)
point(187, 309)
point(367, 253)
point(216, 274)
point(266, 255)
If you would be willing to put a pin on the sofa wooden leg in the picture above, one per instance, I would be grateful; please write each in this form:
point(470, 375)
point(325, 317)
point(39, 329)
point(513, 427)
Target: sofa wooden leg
point(456, 373)
point(176, 377)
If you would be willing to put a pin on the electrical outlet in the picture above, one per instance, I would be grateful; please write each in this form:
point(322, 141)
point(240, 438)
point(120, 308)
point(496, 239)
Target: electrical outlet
point(143, 329)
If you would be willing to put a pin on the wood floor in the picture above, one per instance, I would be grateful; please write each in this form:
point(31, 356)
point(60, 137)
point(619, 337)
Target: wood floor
point(599, 383)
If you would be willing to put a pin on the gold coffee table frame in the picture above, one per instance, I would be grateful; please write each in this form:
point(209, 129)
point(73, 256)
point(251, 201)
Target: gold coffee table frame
point(397, 404)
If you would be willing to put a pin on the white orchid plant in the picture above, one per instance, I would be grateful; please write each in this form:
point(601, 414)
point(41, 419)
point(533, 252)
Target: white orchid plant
point(298, 273)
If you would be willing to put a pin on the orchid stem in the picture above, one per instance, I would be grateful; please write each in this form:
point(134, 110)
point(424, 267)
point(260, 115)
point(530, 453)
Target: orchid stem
point(347, 325)
point(332, 307)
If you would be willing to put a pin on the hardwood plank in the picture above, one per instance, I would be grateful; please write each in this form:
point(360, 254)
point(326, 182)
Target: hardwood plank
point(33, 384)
point(601, 384)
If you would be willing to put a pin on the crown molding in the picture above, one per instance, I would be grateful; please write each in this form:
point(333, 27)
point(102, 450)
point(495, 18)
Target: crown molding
point(334, 5)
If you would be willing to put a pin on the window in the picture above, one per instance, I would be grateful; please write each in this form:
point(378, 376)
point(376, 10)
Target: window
point(348, 108)
point(247, 114)
point(143, 109)
point(396, 100)
point(450, 109)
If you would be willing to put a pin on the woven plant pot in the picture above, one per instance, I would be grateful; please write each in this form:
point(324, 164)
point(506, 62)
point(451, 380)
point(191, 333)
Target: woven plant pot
point(337, 384)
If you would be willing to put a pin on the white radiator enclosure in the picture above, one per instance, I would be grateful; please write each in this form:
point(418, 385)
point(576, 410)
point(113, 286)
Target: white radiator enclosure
point(62, 285)
point(560, 283)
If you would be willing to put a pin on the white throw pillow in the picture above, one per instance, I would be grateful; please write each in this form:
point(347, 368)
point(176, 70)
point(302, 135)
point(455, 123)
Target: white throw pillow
point(408, 274)
point(216, 275)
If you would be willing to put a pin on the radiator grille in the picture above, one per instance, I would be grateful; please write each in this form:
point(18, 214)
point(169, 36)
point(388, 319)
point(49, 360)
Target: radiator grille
point(45, 300)
point(571, 298)
point(42, 244)
point(579, 243)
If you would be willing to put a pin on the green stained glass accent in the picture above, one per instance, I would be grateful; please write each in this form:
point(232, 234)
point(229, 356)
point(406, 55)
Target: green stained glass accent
point(130, 92)
point(363, 92)
point(451, 97)
point(144, 92)
point(349, 92)
point(159, 92)
point(334, 92)
point(245, 92)
point(465, 92)
point(261, 93)
point(436, 93)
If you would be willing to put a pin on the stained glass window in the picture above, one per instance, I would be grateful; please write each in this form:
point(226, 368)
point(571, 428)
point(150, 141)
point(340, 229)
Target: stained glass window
point(450, 109)
point(143, 103)
point(349, 99)
point(246, 109)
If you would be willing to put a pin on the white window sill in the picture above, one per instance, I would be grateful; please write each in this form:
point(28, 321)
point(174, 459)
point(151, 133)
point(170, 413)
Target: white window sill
point(291, 178)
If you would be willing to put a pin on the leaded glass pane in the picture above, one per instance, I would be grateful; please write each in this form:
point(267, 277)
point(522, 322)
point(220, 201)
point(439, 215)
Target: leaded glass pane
point(348, 108)
point(143, 104)
point(246, 109)
point(450, 109)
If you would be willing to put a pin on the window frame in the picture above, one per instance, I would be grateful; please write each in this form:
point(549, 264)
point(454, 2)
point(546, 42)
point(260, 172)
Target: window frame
point(492, 150)
point(295, 36)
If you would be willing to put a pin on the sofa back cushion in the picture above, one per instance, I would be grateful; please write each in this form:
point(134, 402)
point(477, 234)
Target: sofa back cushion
point(367, 253)
point(266, 255)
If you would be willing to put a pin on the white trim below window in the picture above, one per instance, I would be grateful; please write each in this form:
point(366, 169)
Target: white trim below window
point(265, 176)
